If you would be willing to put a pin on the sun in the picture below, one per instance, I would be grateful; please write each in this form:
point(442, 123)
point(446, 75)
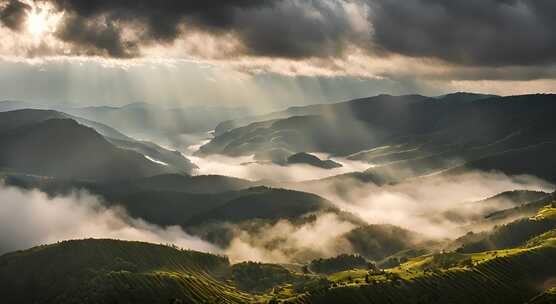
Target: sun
point(41, 20)
point(37, 22)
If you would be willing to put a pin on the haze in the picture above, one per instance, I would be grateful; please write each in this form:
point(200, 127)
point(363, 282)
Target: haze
point(277, 151)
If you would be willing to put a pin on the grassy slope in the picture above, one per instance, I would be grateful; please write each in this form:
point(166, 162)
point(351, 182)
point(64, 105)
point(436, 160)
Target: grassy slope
point(376, 242)
point(502, 276)
point(339, 263)
point(263, 278)
point(109, 271)
point(515, 233)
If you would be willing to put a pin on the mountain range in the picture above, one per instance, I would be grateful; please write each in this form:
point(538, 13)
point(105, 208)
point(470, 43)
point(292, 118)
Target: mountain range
point(51, 143)
point(145, 120)
point(505, 253)
point(133, 272)
point(512, 134)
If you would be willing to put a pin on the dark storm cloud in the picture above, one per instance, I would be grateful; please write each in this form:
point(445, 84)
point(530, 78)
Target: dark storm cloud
point(279, 28)
point(298, 29)
point(161, 19)
point(96, 39)
point(473, 32)
point(13, 14)
point(274, 28)
point(478, 33)
point(96, 26)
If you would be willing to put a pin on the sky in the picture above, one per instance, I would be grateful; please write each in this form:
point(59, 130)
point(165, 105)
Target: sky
point(271, 54)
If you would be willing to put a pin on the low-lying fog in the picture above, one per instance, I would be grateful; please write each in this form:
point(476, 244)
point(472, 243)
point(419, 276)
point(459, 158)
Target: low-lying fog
point(31, 218)
point(418, 204)
point(246, 167)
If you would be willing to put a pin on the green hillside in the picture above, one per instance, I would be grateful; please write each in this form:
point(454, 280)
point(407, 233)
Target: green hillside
point(507, 276)
point(526, 210)
point(262, 278)
point(497, 204)
point(377, 242)
point(109, 271)
point(515, 233)
point(339, 263)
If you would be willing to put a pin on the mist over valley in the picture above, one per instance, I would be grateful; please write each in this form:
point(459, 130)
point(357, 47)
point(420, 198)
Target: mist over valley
point(279, 151)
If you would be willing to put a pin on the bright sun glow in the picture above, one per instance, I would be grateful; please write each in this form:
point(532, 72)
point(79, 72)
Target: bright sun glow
point(41, 20)
point(37, 22)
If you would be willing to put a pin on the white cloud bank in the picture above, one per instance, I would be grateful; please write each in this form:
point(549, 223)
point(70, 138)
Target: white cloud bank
point(30, 218)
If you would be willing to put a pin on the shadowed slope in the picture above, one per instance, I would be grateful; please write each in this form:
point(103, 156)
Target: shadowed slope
point(63, 148)
point(105, 271)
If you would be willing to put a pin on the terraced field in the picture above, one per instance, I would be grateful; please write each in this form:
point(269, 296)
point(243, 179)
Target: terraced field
point(109, 271)
point(489, 278)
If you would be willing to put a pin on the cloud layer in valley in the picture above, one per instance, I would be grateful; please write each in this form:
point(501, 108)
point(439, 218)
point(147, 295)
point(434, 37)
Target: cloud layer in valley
point(245, 167)
point(436, 207)
point(418, 204)
point(30, 218)
point(283, 242)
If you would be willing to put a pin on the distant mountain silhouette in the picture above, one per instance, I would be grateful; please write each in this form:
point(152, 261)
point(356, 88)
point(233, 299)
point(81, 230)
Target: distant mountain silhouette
point(145, 120)
point(63, 148)
point(172, 199)
point(169, 161)
point(421, 133)
point(157, 121)
point(183, 183)
point(266, 203)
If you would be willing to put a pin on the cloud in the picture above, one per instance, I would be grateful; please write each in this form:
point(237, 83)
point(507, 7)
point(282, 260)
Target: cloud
point(437, 208)
point(413, 45)
point(482, 33)
point(101, 37)
point(302, 29)
point(119, 28)
point(13, 14)
point(30, 218)
point(245, 167)
point(418, 204)
point(280, 28)
point(475, 32)
point(283, 242)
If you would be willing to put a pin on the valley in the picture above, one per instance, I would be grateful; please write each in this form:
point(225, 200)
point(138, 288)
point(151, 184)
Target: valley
point(368, 211)
point(277, 152)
